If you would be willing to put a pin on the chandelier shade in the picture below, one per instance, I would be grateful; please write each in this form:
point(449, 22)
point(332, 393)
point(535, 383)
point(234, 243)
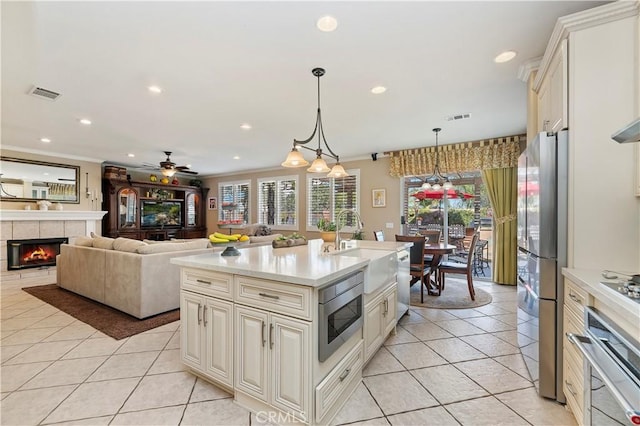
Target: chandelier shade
point(319, 165)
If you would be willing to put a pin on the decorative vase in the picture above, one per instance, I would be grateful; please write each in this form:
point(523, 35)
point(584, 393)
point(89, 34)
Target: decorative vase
point(328, 237)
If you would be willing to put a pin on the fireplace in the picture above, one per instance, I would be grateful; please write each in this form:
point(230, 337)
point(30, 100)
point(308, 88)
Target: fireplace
point(36, 253)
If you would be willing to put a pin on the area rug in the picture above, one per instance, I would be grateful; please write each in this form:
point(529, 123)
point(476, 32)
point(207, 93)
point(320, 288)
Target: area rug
point(454, 296)
point(101, 317)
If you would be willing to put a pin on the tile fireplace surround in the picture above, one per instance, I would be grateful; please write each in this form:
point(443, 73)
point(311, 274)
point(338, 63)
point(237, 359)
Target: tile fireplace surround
point(28, 224)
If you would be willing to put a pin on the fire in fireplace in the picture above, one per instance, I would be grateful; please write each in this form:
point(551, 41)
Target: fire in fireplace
point(35, 253)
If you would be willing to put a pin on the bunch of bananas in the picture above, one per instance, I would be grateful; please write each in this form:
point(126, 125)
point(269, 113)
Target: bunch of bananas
point(218, 238)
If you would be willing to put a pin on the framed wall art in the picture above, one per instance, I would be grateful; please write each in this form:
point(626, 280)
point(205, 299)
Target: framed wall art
point(379, 197)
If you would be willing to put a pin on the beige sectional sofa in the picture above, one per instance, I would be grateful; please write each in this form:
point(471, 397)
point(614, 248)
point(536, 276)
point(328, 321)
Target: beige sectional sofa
point(129, 275)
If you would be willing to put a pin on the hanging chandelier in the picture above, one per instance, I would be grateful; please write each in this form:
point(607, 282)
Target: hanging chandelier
point(437, 180)
point(295, 158)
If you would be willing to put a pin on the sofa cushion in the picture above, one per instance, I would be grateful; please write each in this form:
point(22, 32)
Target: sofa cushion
point(103, 242)
point(127, 244)
point(168, 247)
point(83, 241)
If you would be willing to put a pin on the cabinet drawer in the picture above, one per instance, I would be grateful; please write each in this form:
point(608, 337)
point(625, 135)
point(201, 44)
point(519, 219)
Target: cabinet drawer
point(572, 325)
point(575, 298)
point(273, 296)
point(208, 282)
point(573, 387)
point(332, 387)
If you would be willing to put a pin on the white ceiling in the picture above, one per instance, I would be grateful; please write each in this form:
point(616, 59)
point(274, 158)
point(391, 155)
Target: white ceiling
point(222, 64)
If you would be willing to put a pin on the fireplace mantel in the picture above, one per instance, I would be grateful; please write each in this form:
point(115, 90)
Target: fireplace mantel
point(21, 215)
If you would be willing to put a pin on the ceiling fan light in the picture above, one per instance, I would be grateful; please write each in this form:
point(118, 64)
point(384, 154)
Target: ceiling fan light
point(295, 159)
point(168, 172)
point(337, 171)
point(319, 166)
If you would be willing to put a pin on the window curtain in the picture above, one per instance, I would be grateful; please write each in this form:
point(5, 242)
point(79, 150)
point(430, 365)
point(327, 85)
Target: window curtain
point(502, 189)
point(457, 158)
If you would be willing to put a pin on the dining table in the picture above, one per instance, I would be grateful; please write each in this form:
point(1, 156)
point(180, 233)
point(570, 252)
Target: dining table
point(437, 251)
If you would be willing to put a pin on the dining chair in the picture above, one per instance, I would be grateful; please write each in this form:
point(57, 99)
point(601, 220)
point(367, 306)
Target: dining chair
point(418, 269)
point(460, 268)
point(430, 237)
point(379, 235)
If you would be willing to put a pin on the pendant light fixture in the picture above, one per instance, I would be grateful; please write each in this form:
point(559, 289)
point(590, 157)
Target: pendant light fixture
point(295, 158)
point(437, 180)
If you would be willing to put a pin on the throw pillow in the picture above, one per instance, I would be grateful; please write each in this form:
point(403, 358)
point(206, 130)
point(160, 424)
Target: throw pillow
point(83, 242)
point(262, 230)
point(127, 244)
point(102, 242)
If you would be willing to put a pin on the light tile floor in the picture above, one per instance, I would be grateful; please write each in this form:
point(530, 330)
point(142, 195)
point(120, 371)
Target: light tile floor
point(443, 367)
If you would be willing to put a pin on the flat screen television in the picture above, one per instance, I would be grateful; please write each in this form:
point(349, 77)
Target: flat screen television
point(161, 213)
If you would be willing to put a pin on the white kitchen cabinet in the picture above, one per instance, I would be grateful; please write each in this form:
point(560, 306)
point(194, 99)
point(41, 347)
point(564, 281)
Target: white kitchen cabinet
point(379, 319)
point(553, 93)
point(206, 340)
point(273, 359)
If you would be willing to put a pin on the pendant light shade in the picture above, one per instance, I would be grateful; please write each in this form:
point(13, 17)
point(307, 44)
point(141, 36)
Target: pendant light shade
point(295, 159)
point(318, 166)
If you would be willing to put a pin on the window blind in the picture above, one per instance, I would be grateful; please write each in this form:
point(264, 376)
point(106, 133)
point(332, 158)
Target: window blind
point(328, 196)
point(234, 203)
point(278, 202)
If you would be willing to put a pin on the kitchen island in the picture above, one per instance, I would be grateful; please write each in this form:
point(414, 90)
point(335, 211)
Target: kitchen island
point(253, 324)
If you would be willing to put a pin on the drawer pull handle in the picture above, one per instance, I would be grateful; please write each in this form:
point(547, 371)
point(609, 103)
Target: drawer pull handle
point(204, 315)
point(270, 296)
point(570, 388)
point(386, 307)
point(264, 340)
point(270, 336)
point(199, 315)
point(203, 281)
point(575, 298)
point(344, 374)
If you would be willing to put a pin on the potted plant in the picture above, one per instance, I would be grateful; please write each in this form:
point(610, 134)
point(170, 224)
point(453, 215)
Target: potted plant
point(327, 230)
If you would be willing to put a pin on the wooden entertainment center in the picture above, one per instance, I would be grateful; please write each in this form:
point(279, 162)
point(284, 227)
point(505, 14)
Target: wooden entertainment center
point(153, 211)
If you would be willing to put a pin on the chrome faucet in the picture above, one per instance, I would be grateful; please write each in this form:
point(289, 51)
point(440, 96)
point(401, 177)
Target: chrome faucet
point(359, 225)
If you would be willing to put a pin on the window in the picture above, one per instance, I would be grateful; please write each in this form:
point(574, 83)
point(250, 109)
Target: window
point(327, 196)
point(278, 202)
point(234, 203)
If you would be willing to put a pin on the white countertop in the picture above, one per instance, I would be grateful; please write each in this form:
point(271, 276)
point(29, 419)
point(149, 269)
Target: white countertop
point(590, 280)
point(305, 265)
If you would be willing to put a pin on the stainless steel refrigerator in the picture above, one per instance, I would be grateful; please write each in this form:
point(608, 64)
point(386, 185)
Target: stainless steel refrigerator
point(542, 252)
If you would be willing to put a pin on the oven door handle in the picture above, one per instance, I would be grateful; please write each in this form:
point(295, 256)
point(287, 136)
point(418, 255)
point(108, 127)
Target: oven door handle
point(618, 383)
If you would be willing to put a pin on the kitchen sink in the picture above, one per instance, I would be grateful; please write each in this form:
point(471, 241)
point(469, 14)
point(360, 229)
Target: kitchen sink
point(381, 269)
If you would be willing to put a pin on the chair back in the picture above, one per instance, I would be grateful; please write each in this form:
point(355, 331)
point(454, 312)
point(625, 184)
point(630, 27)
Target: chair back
point(431, 237)
point(379, 235)
point(416, 252)
point(472, 251)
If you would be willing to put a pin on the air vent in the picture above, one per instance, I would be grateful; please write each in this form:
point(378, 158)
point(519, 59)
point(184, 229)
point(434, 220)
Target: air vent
point(458, 117)
point(41, 93)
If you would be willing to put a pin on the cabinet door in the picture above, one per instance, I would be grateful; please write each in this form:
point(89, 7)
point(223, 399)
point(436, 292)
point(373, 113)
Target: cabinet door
point(251, 352)
point(390, 300)
point(191, 332)
point(373, 327)
point(218, 328)
point(290, 351)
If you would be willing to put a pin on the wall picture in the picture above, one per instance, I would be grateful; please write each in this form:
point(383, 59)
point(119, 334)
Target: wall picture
point(379, 197)
point(213, 203)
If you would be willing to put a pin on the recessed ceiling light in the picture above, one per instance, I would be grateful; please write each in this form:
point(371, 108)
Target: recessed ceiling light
point(327, 23)
point(131, 155)
point(378, 89)
point(85, 121)
point(45, 140)
point(245, 126)
point(155, 89)
point(236, 157)
point(505, 56)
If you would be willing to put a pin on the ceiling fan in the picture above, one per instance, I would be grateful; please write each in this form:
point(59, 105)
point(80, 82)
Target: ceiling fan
point(168, 168)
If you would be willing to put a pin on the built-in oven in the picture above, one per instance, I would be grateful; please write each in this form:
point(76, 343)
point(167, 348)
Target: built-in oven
point(340, 313)
point(612, 372)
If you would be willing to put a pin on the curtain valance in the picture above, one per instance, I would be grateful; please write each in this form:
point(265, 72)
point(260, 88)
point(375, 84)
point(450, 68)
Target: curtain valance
point(462, 157)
